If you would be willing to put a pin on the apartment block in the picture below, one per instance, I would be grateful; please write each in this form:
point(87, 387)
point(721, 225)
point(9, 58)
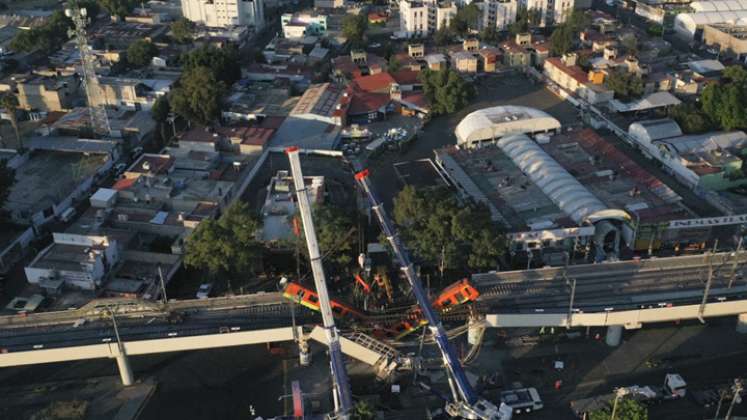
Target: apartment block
point(225, 13)
point(499, 13)
point(423, 17)
point(551, 12)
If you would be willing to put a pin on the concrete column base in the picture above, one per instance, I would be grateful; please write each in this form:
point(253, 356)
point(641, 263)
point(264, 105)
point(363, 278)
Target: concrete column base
point(304, 353)
point(125, 372)
point(614, 335)
point(742, 323)
point(475, 331)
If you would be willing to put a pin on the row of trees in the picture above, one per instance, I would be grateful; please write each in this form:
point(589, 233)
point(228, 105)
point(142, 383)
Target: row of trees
point(229, 246)
point(446, 234)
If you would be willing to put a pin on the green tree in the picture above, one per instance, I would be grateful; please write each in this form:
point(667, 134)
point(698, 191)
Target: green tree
point(630, 43)
point(7, 179)
point(625, 85)
point(725, 102)
point(579, 21)
point(691, 118)
point(223, 63)
point(446, 91)
point(334, 233)
point(141, 52)
point(198, 96)
point(119, 8)
point(228, 245)
point(47, 38)
point(9, 102)
point(442, 36)
point(182, 30)
point(446, 234)
point(393, 65)
point(160, 113)
point(354, 28)
point(466, 19)
point(490, 35)
point(627, 409)
point(561, 40)
point(362, 411)
point(525, 18)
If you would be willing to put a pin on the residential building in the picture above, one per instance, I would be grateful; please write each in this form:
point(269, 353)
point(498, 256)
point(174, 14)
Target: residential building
point(131, 92)
point(39, 93)
point(328, 4)
point(77, 261)
point(225, 13)
point(423, 17)
point(551, 12)
point(490, 58)
point(566, 74)
point(280, 206)
point(708, 161)
point(299, 25)
point(465, 62)
point(436, 62)
point(47, 182)
point(498, 14)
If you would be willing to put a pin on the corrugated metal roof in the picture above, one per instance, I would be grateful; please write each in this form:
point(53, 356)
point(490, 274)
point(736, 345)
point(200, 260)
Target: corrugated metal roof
point(554, 181)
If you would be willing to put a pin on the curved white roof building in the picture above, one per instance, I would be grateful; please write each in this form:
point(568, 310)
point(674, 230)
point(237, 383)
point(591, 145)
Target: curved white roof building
point(719, 5)
point(490, 124)
point(555, 182)
point(686, 24)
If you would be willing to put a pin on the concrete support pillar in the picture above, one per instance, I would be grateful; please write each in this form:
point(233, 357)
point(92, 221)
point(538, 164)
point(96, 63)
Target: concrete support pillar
point(475, 330)
point(614, 335)
point(125, 372)
point(304, 353)
point(742, 323)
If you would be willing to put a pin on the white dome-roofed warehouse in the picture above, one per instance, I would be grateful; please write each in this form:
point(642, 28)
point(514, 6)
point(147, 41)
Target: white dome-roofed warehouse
point(490, 124)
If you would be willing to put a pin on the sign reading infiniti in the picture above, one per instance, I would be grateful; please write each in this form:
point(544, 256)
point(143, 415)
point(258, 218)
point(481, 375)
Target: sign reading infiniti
point(708, 222)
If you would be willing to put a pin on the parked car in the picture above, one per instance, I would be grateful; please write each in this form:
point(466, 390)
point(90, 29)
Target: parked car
point(204, 291)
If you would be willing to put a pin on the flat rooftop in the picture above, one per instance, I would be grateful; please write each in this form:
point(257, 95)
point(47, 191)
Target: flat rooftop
point(49, 177)
point(64, 257)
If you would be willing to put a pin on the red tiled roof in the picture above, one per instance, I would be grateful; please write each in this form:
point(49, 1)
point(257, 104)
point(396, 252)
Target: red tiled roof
point(379, 82)
point(257, 136)
point(416, 98)
point(406, 77)
point(124, 183)
point(365, 102)
point(572, 71)
point(271, 122)
point(199, 134)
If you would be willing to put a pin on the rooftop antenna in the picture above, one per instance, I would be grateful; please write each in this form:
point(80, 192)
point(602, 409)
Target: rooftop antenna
point(99, 119)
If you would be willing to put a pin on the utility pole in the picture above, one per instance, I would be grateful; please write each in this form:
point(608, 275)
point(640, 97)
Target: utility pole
point(707, 290)
point(573, 298)
point(736, 398)
point(163, 285)
point(735, 261)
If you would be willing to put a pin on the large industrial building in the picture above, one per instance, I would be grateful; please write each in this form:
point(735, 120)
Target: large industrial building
point(689, 26)
point(571, 192)
point(490, 124)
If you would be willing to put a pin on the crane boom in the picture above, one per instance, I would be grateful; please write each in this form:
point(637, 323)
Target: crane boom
point(466, 403)
point(341, 386)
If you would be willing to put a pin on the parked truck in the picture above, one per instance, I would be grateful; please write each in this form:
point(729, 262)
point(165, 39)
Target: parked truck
point(674, 388)
point(522, 400)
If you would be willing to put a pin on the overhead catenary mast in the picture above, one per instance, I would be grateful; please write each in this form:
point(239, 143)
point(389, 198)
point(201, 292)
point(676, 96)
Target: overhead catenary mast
point(99, 119)
point(340, 384)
